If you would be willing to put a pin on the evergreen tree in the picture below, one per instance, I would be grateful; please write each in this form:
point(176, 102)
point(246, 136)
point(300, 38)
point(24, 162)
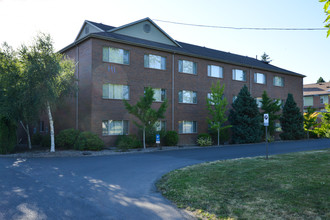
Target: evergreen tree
point(245, 118)
point(143, 111)
point(265, 58)
point(320, 80)
point(272, 107)
point(292, 121)
point(217, 106)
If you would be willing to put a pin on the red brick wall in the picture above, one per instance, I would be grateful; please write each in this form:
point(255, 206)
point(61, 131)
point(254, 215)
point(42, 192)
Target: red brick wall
point(93, 73)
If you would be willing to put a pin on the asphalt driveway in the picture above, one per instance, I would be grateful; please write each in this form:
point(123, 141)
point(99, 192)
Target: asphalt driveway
point(109, 187)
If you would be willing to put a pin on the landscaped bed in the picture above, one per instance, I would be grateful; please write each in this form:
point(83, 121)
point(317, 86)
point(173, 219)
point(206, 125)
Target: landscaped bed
point(290, 186)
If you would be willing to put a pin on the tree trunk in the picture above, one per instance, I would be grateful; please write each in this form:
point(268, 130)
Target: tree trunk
point(51, 127)
point(144, 137)
point(218, 136)
point(27, 130)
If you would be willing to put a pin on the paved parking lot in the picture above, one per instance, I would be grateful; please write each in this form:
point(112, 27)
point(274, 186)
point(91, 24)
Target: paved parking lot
point(109, 187)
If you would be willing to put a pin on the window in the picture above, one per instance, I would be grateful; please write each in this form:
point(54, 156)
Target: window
point(187, 127)
point(234, 98)
point(111, 127)
point(41, 126)
point(278, 127)
point(280, 102)
point(278, 81)
point(324, 99)
point(159, 94)
point(187, 67)
point(258, 101)
point(239, 75)
point(215, 71)
point(187, 97)
point(154, 62)
point(160, 125)
point(114, 91)
point(210, 96)
point(308, 101)
point(260, 78)
point(115, 55)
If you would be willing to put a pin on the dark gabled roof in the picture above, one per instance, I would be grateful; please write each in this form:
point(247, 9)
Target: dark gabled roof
point(317, 89)
point(101, 26)
point(185, 49)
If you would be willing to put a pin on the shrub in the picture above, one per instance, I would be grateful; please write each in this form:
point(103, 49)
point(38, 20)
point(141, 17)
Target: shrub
point(203, 135)
point(88, 141)
point(224, 135)
point(67, 138)
point(171, 138)
point(204, 141)
point(126, 142)
point(45, 141)
point(151, 136)
point(36, 139)
point(7, 136)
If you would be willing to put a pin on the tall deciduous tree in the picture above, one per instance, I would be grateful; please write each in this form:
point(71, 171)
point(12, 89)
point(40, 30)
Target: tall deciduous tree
point(272, 107)
point(217, 106)
point(327, 12)
point(320, 80)
point(310, 120)
point(324, 129)
point(292, 121)
point(245, 118)
point(47, 76)
point(143, 111)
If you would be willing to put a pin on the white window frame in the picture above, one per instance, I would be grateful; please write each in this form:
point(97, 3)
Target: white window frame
point(160, 125)
point(109, 92)
point(109, 55)
point(106, 127)
point(215, 71)
point(258, 101)
point(160, 59)
point(308, 100)
point(278, 81)
point(184, 69)
point(192, 94)
point(183, 129)
point(324, 99)
point(160, 91)
point(260, 78)
point(236, 77)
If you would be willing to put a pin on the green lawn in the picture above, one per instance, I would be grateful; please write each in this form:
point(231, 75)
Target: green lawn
point(290, 186)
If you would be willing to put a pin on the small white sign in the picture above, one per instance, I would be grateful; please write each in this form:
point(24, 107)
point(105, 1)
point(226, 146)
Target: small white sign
point(266, 120)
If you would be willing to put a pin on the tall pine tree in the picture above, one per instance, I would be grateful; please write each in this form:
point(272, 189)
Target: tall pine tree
point(272, 107)
point(245, 118)
point(292, 121)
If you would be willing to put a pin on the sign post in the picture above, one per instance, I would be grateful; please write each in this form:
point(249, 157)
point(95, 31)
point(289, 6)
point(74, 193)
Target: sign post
point(158, 141)
point(266, 124)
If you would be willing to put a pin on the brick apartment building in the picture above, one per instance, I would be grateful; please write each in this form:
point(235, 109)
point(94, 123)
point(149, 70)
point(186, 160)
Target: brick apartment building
point(116, 63)
point(317, 95)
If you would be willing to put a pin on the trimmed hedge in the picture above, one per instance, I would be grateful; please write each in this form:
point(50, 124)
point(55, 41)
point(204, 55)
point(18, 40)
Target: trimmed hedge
point(125, 142)
point(88, 141)
point(7, 136)
point(67, 138)
point(171, 138)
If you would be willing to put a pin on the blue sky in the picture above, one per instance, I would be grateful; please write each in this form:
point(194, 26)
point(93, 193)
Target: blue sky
point(305, 52)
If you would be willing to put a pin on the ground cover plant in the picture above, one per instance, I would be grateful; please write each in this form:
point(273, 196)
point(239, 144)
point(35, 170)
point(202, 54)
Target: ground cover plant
point(290, 186)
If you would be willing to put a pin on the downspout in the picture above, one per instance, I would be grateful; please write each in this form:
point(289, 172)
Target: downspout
point(77, 92)
point(173, 91)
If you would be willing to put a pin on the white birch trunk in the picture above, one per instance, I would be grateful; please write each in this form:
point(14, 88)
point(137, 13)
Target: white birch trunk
point(51, 127)
point(26, 129)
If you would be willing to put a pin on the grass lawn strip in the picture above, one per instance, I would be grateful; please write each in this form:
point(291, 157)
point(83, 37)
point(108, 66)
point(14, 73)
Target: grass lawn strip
point(290, 186)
